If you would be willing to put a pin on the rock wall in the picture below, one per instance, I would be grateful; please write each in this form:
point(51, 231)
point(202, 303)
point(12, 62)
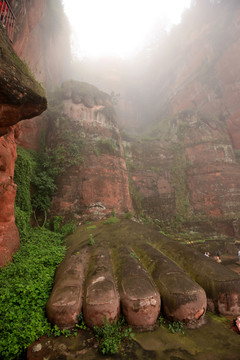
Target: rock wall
point(188, 171)
point(97, 181)
point(42, 39)
point(207, 76)
point(21, 97)
point(187, 165)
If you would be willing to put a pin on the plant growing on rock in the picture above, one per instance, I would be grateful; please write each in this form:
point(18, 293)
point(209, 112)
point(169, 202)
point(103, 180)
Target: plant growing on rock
point(112, 335)
point(91, 240)
point(176, 327)
point(112, 220)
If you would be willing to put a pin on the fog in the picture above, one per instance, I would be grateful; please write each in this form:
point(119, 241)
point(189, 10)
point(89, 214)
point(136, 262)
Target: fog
point(144, 79)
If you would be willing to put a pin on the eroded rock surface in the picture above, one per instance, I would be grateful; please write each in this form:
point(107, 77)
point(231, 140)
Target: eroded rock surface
point(183, 299)
point(140, 299)
point(21, 97)
point(65, 303)
point(186, 280)
point(101, 300)
point(96, 180)
point(222, 285)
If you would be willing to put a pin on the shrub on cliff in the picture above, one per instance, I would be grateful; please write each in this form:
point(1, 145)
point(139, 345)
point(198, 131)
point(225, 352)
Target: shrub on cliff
point(106, 146)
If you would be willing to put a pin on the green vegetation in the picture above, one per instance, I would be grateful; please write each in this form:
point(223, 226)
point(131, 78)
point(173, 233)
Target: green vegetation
point(113, 213)
point(136, 197)
point(10, 62)
point(25, 284)
point(96, 152)
point(160, 320)
point(112, 220)
point(133, 255)
point(128, 215)
point(25, 287)
point(91, 240)
point(81, 323)
point(106, 146)
point(24, 172)
point(112, 335)
point(34, 172)
point(176, 327)
point(179, 183)
point(91, 227)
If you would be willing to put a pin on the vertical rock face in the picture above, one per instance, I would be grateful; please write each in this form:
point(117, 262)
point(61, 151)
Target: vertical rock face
point(94, 180)
point(189, 164)
point(42, 39)
point(21, 97)
point(188, 168)
point(207, 75)
point(9, 238)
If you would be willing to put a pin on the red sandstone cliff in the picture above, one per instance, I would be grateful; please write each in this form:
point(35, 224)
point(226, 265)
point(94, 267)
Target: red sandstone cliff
point(42, 39)
point(97, 182)
point(188, 164)
point(21, 97)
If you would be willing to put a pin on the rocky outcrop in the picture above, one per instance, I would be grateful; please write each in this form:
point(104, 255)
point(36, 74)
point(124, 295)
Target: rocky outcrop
point(147, 266)
point(94, 180)
point(9, 238)
point(42, 40)
point(21, 97)
point(186, 168)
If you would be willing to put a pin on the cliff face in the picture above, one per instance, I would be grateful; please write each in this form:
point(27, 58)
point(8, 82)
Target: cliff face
point(42, 39)
point(189, 171)
point(207, 77)
point(188, 164)
point(94, 180)
point(21, 97)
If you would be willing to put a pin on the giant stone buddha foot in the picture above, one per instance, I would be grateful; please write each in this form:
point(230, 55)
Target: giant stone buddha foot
point(133, 269)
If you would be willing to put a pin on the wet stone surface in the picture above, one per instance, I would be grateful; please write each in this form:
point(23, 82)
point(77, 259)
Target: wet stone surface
point(134, 268)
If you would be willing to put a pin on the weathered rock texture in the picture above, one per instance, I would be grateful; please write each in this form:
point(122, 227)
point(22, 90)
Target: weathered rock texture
point(182, 298)
point(187, 104)
point(139, 295)
point(41, 38)
point(101, 300)
point(94, 180)
point(65, 304)
point(21, 97)
point(186, 280)
point(221, 284)
point(190, 170)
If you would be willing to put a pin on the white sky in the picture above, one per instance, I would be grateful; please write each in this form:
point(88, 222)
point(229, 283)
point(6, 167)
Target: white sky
point(118, 27)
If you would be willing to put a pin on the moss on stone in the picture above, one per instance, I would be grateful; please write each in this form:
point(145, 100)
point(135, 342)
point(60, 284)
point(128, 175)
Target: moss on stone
point(16, 78)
